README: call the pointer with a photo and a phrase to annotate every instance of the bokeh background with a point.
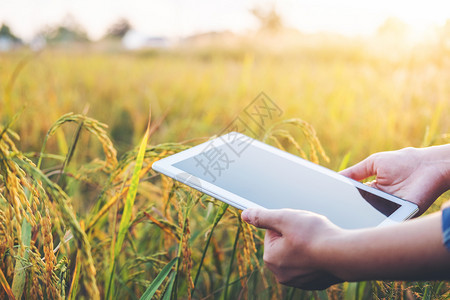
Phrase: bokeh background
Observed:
(368, 77)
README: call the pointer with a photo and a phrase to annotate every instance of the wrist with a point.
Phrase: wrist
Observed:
(438, 157)
(343, 266)
(411, 250)
(346, 255)
(332, 253)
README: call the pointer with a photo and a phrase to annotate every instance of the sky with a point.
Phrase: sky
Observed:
(178, 18)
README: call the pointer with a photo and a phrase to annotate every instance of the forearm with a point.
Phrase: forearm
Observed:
(409, 251)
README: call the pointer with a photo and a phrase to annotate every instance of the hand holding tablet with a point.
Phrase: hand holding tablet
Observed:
(306, 250)
(246, 173)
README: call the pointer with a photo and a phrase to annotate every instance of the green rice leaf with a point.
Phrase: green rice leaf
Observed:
(125, 222)
(322, 295)
(351, 290)
(344, 162)
(153, 287)
(131, 195)
(169, 289)
(19, 271)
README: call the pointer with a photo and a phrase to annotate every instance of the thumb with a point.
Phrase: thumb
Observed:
(361, 170)
(264, 218)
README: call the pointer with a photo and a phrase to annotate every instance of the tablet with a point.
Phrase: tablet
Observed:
(244, 173)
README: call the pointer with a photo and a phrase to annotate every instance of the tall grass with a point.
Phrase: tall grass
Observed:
(77, 220)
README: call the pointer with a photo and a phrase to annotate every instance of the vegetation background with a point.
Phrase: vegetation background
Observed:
(84, 216)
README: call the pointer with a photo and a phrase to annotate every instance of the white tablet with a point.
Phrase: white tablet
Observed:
(245, 173)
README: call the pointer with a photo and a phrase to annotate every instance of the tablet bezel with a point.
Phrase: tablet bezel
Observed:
(166, 166)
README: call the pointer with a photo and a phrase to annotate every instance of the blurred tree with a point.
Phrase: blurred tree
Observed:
(269, 20)
(68, 31)
(63, 34)
(118, 29)
(8, 40)
(5, 32)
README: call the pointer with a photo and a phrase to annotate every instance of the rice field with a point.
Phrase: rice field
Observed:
(82, 214)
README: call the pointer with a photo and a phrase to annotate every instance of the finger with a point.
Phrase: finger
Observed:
(361, 170)
(372, 183)
(264, 218)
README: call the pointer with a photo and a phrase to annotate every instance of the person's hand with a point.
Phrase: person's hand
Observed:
(295, 246)
(417, 175)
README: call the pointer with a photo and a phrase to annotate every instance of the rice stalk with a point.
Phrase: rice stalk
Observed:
(55, 193)
(10, 84)
(285, 134)
(187, 257)
(169, 200)
(309, 133)
(241, 262)
(220, 212)
(3, 231)
(21, 198)
(70, 151)
(126, 216)
(50, 258)
(6, 286)
(19, 269)
(15, 181)
(36, 269)
(165, 226)
(62, 267)
(230, 266)
(277, 143)
(36, 288)
(185, 199)
(92, 126)
(152, 153)
(9, 253)
(169, 289)
(73, 290)
(151, 290)
(7, 127)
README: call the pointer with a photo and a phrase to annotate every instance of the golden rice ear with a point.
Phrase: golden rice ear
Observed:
(96, 128)
(276, 131)
(50, 259)
(24, 196)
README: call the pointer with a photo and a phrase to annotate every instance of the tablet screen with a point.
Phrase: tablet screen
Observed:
(274, 182)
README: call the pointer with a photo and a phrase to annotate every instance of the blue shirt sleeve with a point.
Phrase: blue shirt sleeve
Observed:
(446, 227)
